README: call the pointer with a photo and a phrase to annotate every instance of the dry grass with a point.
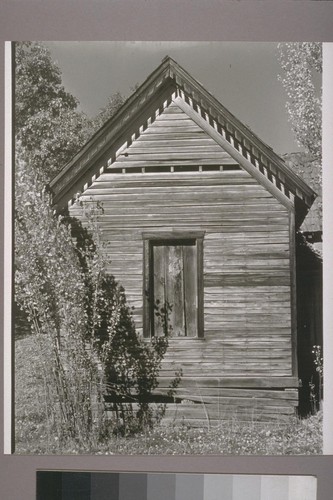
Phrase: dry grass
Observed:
(293, 437)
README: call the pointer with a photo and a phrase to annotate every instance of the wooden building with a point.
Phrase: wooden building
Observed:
(309, 283)
(198, 211)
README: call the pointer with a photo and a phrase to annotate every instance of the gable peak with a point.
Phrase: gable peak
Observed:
(169, 81)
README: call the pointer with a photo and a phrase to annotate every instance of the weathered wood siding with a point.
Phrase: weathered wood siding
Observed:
(172, 139)
(244, 359)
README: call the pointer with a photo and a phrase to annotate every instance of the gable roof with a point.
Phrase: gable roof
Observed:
(171, 83)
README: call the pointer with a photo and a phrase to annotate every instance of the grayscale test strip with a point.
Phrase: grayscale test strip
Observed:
(52, 485)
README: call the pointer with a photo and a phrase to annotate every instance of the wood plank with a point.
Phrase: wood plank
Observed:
(216, 365)
(172, 114)
(215, 209)
(246, 241)
(170, 155)
(175, 148)
(170, 224)
(218, 297)
(235, 154)
(171, 235)
(136, 234)
(213, 350)
(228, 205)
(234, 382)
(207, 177)
(196, 411)
(214, 218)
(172, 109)
(156, 135)
(173, 121)
(190, 290)
(277, 370)
(251, 401)
(201, 193)
(180, 193)
(293, 296)
(171, 129)
(160, 287)
(158, 161)
(222, 342)
(243, 263)
(174, 295)
(232, 416)
(251, 281)
(231, 394)
(212, 184)
(177, 141)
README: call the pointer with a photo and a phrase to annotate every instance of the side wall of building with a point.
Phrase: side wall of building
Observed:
(244, 360)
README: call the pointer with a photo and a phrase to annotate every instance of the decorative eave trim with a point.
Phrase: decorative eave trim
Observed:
(107, 132)
(219, 134)
(167, 82)
(240, 154)
(137, 133)
(240, 133)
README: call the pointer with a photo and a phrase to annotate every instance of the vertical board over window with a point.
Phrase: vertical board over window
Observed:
(172, 269)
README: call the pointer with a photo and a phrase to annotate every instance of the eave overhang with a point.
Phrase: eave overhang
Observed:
(169, 82)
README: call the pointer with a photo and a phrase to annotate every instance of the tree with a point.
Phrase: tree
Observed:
(113, 104)
(49, 130)
(50, 284)
(50, 288)
(301, 62)
(129, 365)
(82, 325)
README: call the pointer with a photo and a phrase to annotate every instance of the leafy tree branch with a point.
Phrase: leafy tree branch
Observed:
(301, 64)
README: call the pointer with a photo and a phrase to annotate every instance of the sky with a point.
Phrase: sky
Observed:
(243, 76)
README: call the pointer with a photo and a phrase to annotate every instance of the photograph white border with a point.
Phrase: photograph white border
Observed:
(8, 255)
(328, 246)
(327, 145)
(250, 20)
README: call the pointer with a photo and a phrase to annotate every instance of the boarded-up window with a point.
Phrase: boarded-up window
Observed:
(174, 277)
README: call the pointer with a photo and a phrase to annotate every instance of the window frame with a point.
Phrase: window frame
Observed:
(149, 240)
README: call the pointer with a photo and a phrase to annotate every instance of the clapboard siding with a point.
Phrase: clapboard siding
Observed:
(246, 261)
(246, 265)
(172, 139)
(173, 161)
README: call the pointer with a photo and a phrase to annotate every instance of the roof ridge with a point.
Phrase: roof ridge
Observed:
(164, 80)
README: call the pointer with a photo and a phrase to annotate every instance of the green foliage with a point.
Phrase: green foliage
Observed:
(50, 288)
(83, 329)
(318, 359)
(290, 436)
(49, 282)
(301, 62)
(48, 128)
(38, 83)
(83, 326)
(130, 365)
(113, 104)
(319, 367)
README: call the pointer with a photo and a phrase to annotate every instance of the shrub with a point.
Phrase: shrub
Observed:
(131, 366)
(50, 288)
